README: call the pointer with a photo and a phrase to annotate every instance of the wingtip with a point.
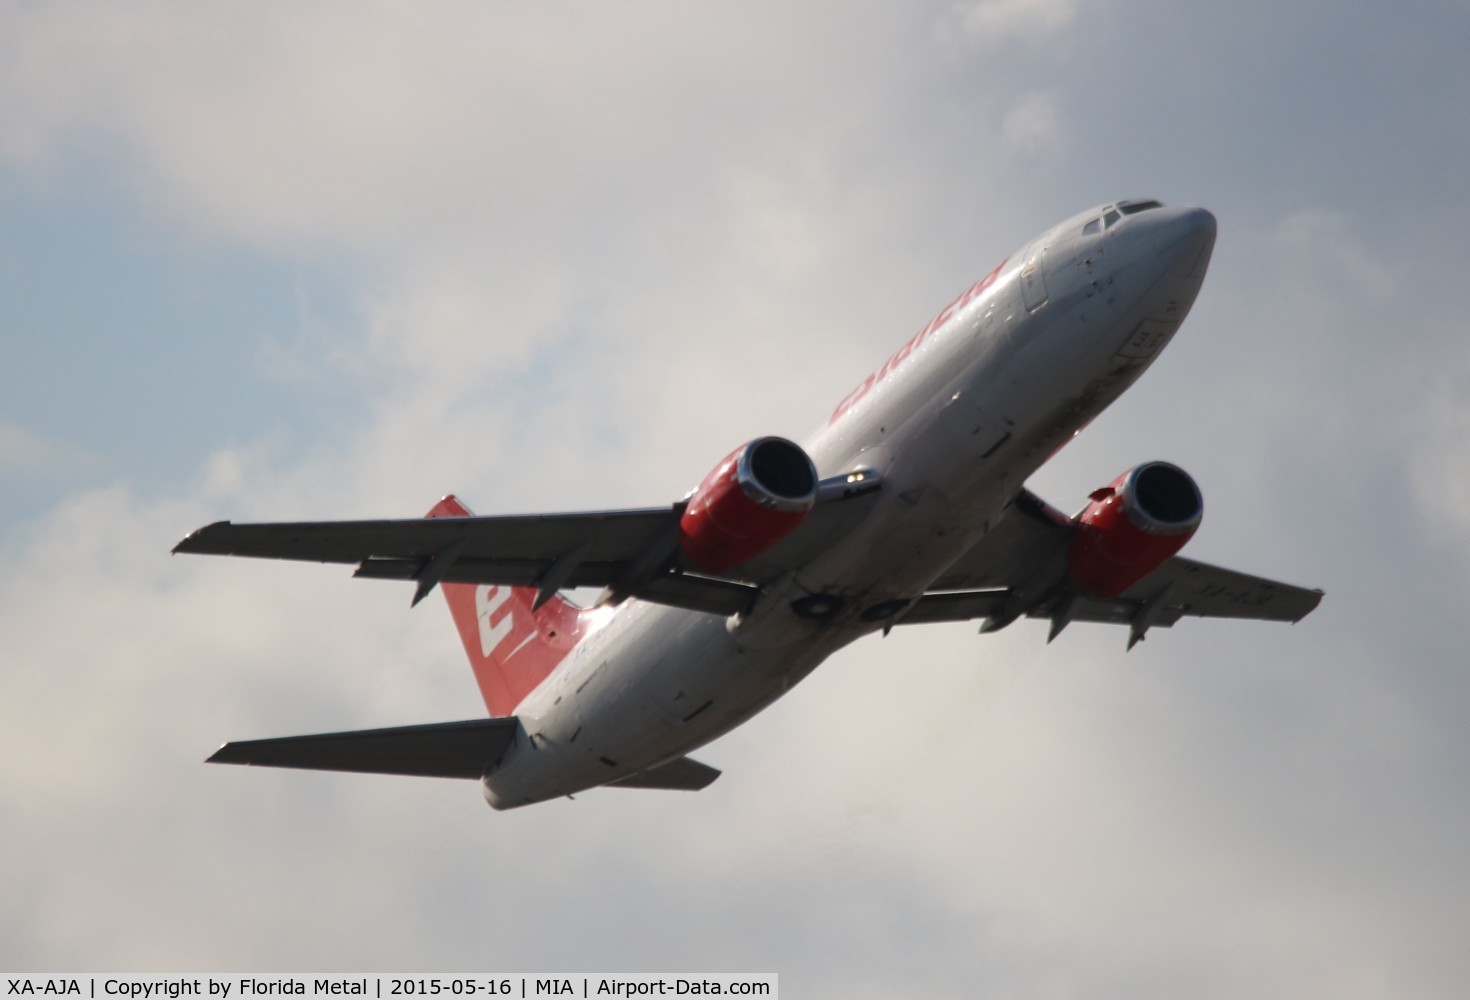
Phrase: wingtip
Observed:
(224, 755)
(192, 541)
(1319, 594)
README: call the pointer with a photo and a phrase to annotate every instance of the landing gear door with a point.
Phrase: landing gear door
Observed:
(1033, 278)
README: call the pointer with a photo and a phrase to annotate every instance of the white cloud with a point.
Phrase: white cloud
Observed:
(30, 456)
(1325, 247)
(309, 124)
(1439, 464)
(992, 23)
(1034, 125)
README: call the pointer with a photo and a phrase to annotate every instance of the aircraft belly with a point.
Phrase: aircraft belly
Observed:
(675, 681)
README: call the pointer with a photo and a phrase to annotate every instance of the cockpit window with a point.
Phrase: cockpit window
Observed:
(1133, 208)
(1110, 219)
(1091, 227)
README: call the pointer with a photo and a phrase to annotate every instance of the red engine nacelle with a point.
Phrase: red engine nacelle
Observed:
(1131, 527)
(753, 499)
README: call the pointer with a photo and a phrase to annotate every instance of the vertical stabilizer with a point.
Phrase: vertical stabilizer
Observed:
(511, 647)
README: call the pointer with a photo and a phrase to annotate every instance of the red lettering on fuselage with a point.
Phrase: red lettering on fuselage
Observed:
(912, 344)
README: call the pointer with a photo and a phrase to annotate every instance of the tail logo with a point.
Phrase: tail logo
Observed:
(486, 615)
(488, 601)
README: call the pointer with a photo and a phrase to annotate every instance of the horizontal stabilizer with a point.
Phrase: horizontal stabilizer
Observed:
(681, 774)
(439, 750)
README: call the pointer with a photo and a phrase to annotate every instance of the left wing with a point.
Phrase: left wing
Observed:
(1021, 566)
(631, 553)
(628, 551)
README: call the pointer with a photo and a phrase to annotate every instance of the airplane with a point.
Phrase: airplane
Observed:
(907, 505)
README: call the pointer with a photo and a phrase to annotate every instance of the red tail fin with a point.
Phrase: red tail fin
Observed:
(511, 648)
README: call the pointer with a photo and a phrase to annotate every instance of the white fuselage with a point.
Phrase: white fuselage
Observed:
(954, 423)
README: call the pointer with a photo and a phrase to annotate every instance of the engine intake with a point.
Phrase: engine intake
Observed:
(752, 499)
(1131, 527)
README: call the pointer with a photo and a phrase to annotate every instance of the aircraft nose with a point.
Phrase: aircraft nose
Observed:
(1185, 238)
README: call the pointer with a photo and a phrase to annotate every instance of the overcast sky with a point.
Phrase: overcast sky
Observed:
(286, 260)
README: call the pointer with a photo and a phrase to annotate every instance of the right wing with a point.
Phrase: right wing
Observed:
(1020, 568)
